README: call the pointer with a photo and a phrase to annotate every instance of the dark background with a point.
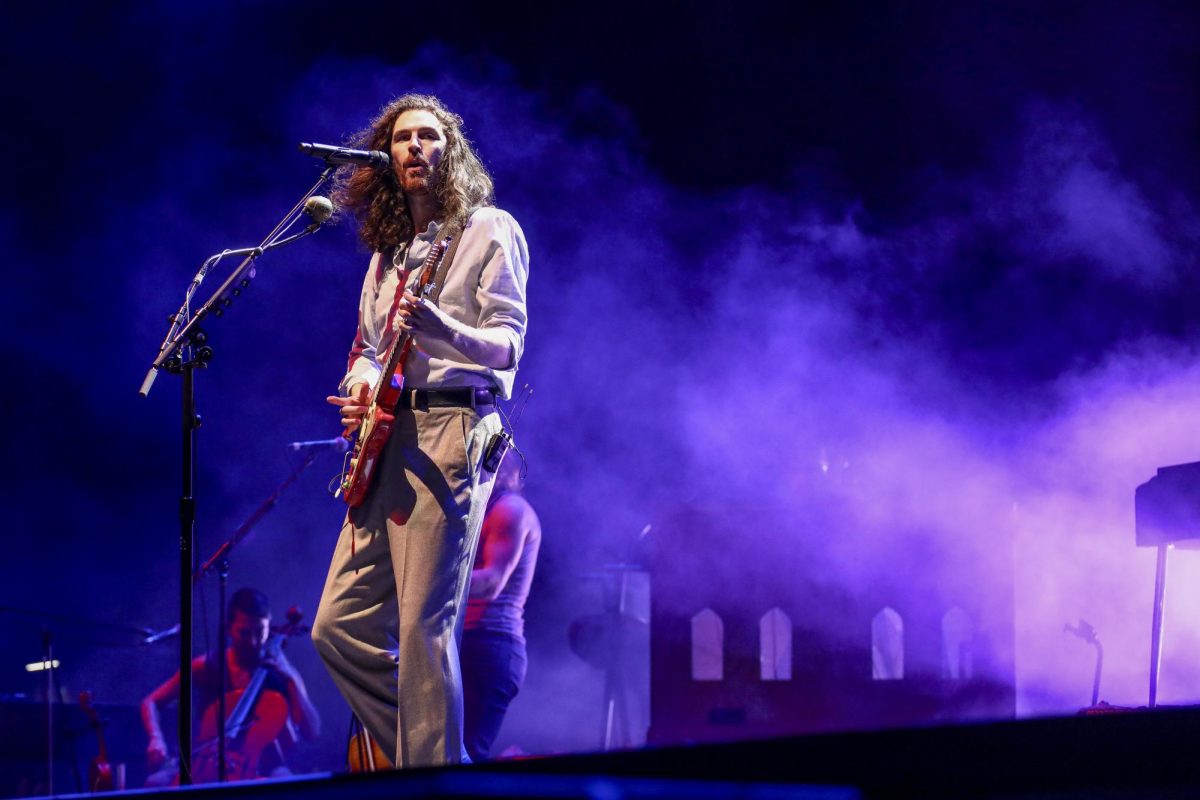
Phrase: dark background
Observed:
(946, 247)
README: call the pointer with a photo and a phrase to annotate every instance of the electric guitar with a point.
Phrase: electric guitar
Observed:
(364, 753)
(377, 423)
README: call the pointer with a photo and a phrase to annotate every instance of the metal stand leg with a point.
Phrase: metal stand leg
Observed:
(1156, 626)
(616, 725)
(48, 666)
(616, 732)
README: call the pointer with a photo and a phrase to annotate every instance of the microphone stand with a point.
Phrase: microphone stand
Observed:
(220, 558)
(183, 351)
(1085, 631)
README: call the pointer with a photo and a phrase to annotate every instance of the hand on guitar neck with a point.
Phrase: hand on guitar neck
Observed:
(418, 316)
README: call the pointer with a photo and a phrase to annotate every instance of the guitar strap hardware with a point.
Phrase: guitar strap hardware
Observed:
(439, 279)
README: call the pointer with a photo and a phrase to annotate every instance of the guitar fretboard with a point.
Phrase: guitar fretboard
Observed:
(399, 347)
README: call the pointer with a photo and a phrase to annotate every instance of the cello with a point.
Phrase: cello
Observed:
(258, 715)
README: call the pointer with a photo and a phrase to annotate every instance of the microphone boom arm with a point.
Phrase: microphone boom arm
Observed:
(176, 336)
(243, 530)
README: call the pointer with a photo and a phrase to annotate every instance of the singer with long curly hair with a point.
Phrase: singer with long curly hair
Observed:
(392, 605)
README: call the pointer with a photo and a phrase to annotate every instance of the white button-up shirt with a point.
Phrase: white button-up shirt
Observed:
(485, 288)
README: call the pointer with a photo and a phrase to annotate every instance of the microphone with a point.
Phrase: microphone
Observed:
(318, 208)
(341, 155)
(340, 444)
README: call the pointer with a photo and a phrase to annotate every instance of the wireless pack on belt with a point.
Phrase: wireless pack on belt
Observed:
(496, 448)
(502, 442)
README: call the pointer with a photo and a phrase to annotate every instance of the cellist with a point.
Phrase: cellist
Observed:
(249, 625)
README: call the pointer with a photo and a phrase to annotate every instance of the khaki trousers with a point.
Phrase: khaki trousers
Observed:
(390, 616)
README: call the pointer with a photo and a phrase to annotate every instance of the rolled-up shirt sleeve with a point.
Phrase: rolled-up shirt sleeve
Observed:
(502, 283)
(484, 288)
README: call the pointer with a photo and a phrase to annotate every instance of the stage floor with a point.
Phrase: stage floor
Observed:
(1137, 754)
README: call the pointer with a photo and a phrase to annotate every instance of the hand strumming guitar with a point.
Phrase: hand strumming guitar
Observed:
(354, 407)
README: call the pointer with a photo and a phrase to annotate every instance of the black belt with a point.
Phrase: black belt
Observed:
(467, 397)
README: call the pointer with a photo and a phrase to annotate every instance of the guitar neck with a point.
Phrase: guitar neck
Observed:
(402, 346)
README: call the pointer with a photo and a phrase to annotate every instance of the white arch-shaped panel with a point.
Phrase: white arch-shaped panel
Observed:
(708, 646)
(958, 636)
(887, 646)
(775, 646)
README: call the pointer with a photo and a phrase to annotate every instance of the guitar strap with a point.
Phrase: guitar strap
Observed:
(439, 279)
(454, 233)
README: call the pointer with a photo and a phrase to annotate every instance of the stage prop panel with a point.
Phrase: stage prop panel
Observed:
(766, 625)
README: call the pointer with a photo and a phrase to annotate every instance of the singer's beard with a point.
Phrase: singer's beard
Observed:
(428, 184)
(417, 185)
(423, 183)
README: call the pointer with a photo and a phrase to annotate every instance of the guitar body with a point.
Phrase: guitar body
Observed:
(374, 434)
(365, 755)
(243, 751)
